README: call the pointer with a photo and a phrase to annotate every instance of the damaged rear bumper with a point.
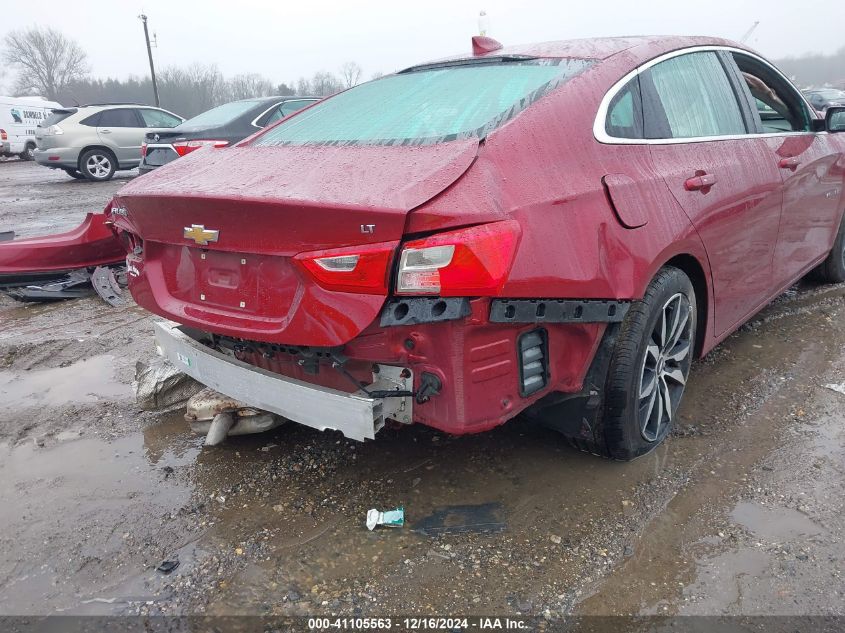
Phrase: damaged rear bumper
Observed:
(358, 417)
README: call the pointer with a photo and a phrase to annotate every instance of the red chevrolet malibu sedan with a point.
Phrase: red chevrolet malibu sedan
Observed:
(556, 229)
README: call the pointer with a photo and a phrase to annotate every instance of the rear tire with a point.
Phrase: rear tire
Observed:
(75, 173)
(27, 154)
(649, 367)
(98, 165)
(832, 269)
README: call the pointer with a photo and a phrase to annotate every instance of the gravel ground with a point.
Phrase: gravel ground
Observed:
(739, 512)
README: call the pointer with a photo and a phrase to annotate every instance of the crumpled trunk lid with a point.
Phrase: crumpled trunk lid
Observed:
(266, 205)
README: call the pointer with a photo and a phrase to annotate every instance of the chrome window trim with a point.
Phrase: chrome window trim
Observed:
(276, 105)
(254, 124)
(601, 135)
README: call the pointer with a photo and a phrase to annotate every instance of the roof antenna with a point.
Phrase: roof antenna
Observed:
(481, 45)
(483, 23)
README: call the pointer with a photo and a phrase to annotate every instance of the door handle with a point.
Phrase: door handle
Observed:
(700, 182)
(789, 163)
(105, 131)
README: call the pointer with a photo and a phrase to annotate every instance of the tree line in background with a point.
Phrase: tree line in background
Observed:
(816, 70)
(49, 64)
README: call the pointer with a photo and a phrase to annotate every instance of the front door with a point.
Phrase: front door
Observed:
(718, 174)
(808, 164)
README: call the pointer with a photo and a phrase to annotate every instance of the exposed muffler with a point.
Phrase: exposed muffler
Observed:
(217, 416)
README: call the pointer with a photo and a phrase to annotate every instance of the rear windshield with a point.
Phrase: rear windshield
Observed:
(426, 106)
(222, 114)
(55, 116)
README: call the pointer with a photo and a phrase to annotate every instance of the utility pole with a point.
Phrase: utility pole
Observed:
(143, 19)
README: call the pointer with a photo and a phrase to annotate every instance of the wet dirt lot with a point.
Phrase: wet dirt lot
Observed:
(740, 512)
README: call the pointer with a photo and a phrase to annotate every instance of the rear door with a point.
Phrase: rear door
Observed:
(808, 164)
(122, 130)
(718, 173)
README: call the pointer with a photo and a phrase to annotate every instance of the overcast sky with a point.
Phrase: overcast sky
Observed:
(286, 40)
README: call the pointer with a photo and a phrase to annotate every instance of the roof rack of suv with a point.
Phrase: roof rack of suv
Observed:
(110, 103)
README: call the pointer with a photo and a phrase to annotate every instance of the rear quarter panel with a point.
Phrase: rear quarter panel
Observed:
(545, 169)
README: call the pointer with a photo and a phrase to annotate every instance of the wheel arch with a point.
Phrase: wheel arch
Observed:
(99, 147)
(693, 269)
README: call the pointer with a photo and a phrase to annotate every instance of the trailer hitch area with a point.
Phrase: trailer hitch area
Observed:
(430, 385)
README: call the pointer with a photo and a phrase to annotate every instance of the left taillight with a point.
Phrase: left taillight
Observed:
(143, 150)
(359, 269)
(467, 262)
(186, 147)
(3, 135)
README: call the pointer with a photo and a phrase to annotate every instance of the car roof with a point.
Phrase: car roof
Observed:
(642, 48)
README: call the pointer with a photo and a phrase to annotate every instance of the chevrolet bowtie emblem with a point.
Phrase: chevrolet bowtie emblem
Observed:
(200, 234)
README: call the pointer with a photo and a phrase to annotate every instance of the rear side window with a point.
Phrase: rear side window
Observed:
(118, 118)
(91, 121)
(284, 109)
(690, 96)
(625, 114)
(427, 105)
(56, 116)
(157, 118)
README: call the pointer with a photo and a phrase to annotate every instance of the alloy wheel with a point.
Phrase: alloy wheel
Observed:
(665, 367)
(98, 165)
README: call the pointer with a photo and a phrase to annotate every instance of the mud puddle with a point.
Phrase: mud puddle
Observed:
(84, 517)
(773, 523)
(742, 401)
(88, 380)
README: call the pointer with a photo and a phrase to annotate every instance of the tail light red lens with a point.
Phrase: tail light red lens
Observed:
(143, 150)
(3, 135)
(186, 147)
(361, 269)
(466, 262)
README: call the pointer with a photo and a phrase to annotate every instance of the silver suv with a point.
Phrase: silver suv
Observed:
(94, 141)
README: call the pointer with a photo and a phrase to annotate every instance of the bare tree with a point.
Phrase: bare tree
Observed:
(350, 74)
(248, 86)
(377, 75)
(816, 70)
(303, 87)
(192, 90)
(46, 60)
(325, 83)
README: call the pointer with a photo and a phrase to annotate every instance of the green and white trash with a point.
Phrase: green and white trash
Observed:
(391, 518)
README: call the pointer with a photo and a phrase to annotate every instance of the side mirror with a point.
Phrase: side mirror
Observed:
(834, 119)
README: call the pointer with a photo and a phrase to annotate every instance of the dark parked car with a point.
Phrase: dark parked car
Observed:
(821, 100)
(221, 126)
